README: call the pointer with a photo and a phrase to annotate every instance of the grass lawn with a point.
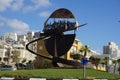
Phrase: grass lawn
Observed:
(59, 73)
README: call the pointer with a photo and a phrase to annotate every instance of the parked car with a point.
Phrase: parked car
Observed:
(20, 66)
(8, 67)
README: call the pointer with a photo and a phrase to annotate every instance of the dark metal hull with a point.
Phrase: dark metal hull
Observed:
(59, 45)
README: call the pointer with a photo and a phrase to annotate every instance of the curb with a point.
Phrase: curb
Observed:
(6, 78)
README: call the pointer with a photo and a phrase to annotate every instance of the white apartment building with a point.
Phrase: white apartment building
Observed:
(22, 38)
(10, 36)
(6, 52)
(111, 49)
(2, 53)
(24, 54)
(92, 53)
(30, 35)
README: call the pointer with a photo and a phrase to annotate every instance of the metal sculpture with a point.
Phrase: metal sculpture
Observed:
(57, 41)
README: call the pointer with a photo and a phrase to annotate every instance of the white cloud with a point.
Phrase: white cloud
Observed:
(17, 24)
(20, 4)
(41, 3)
(36, 5)
(4, 4)
(28, 8)
(17, 5)
(11, 4)
(14, 24)
(44, 14)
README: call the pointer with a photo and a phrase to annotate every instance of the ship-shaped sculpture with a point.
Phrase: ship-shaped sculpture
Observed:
(58, 40)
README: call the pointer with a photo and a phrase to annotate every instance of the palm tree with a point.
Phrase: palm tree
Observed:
(91, 59)
(106, 59)
(77, 56)
(85, 49)
(95, 61)
(98, 60)
(119, 65)
(115, 63)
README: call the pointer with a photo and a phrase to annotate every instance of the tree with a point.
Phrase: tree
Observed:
(91, 58)
(119, 65)
(24, 60)
(95, 61)
(85, 49)
(77, 56)
(15, 56)
(102, 62)
(106, 59)
(115, 64)
(98, 60)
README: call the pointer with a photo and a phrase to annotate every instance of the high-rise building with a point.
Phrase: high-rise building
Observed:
(112, 50)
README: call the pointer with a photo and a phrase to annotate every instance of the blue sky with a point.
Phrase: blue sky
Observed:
(102, 17)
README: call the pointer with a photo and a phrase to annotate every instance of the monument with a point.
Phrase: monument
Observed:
(59, 34)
